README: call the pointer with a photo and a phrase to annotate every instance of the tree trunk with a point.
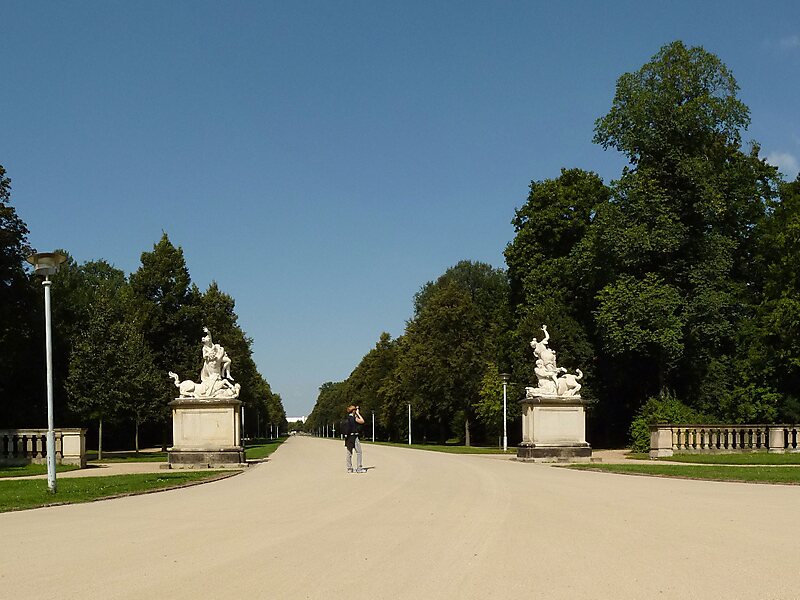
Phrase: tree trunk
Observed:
(136, 436)
(466, 432)
(100, 440)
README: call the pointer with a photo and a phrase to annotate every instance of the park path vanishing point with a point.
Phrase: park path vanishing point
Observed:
(421, 525)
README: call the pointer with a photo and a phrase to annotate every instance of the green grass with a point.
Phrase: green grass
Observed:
(745, 458)
(33, 493)
(754, 474)
(261, 448)
(127, 456)
(450, 448)
(24, 470)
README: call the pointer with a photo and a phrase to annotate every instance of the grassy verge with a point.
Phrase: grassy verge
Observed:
(117, 457)
(24, 470)
(450, 448)
(747, 458)
(261, 448)
(32, 493)
(753, 474)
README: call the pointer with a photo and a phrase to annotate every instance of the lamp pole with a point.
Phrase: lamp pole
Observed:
(409, 423)
(46, 263)
(506, 377)
(373, 426)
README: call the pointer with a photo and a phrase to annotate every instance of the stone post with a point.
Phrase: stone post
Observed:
(777, 440)
(660, 441)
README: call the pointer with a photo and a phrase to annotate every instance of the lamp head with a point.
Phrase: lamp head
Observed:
(46, 263)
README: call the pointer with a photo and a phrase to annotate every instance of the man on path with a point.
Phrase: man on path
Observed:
(351, 441)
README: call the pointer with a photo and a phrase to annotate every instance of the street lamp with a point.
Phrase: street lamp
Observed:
(409, 423)
(46, 264)
(373, 426)
(506, 377)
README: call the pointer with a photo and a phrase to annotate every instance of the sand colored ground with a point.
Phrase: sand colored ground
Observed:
(417, 525)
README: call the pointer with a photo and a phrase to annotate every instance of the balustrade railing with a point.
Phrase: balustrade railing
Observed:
(25, 446)
(667, 439)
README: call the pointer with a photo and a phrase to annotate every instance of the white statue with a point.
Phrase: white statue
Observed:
(215, 376)
(550, 381)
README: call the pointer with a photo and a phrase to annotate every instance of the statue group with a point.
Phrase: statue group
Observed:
(551, 379)
(215, 376)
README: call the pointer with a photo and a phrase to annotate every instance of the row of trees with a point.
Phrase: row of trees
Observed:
(115, 338)
(674, 288)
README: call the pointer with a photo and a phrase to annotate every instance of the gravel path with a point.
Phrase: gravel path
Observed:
(421, 525)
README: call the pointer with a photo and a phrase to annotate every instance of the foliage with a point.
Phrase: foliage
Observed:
(168, 309)
(663, 409)
(20, 332)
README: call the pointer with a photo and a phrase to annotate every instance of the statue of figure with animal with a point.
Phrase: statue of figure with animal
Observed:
(551, 379)
(215, 376)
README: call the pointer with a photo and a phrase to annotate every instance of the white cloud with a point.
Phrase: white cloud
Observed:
(790, 42)
(787, 163)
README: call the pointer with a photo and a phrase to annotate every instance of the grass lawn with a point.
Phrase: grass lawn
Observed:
(127, 456)
(754, 474)
(24, 470)
(451, 448)
(261, 448)
(32, 493)
(747, 458)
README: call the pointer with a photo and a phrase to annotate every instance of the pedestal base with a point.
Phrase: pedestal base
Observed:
(198, 459)
(528, 453)
(554, 430)
(206, 433)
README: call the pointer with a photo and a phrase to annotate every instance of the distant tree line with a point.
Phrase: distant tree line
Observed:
(675, 288)
(115, 337)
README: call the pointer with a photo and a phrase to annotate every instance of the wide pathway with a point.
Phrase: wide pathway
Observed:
(417, 525)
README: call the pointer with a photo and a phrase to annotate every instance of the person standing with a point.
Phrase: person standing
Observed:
(351, 441)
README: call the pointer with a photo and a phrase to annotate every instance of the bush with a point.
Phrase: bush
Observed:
(664, 409)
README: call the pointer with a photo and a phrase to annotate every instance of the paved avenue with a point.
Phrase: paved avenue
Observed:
(417, 525)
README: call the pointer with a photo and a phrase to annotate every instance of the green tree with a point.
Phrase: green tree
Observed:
(110, 377)
(680, 221)
(442, 361)
(168, 309)
(21, 321)
(773, 346)
(367, 384)
(553, 279)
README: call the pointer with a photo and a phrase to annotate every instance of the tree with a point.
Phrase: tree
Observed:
(680, 222)
(552, 277)
(367, 384)
(20, 397)
(442, 362)
(168, 309)
(774, 344)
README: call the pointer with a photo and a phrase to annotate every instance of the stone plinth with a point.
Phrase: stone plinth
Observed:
(206, 432)
(553, 429)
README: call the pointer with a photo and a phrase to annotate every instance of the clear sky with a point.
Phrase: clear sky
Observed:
(323, 160)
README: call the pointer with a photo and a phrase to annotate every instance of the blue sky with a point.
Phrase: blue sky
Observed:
(323, 160)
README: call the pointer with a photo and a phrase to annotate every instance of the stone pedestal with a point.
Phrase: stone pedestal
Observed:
(553, 429)
(206, 432)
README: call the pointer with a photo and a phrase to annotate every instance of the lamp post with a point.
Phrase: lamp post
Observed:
(409, 423)
(47, 263)
(506, 377)
(373, 426)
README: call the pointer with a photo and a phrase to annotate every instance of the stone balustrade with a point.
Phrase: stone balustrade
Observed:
(667, 439)
(25, 446)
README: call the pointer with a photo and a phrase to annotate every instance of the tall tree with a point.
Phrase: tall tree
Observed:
(676, 238)
(551, 279)
(21, 401)
(168, 308)
(110, 376)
